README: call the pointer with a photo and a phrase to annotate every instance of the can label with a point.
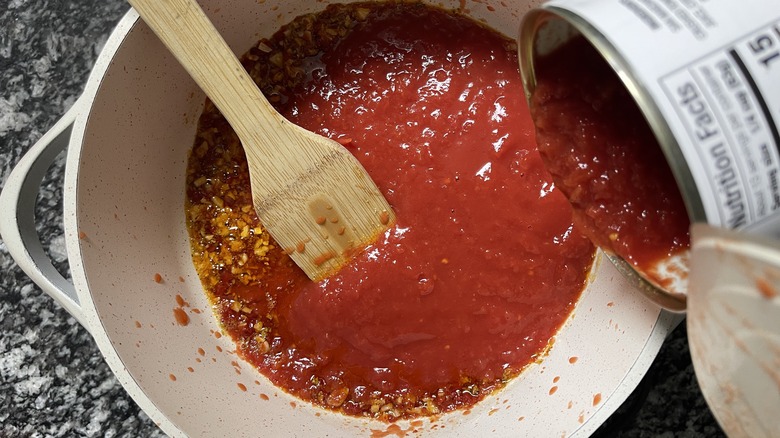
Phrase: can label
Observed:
(712, 68)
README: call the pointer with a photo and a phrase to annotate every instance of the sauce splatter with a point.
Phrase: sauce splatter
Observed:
(596, 399)
(158, 278)
(765, 289)
(181, 316)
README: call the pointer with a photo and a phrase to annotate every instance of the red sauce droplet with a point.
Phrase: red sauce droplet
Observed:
(197, 359)
(172, 377)
(320, 220)
(300, 247)
(610, 304)
(596, 399)
(158, 278)
(553, 390)
(573, 359)
(191, 369)
(82, 235)
(180, 301)
(467, 411)
(263, 396)
(242, 387)
(137, 324)
(765, 289)
(556, 379)
(384, 217)
(521, 419)
(293, 405)
(181, 279)
(181, 316)
(201, 352)
(196, 311)
(581, 418)
(324, 257)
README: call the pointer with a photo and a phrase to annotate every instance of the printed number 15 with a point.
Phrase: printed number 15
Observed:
(765, 47)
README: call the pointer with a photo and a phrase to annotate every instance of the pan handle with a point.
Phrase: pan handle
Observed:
(17, 223)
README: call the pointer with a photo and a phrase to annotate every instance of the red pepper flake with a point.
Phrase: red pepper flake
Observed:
(765, 289)
(320, 220)
(158, 278)
(596, 399)
(242, 387)
(172, 377)
(384, 217)
(324, 257)
(181, 316)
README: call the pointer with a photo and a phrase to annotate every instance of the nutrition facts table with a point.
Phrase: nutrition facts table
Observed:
(728, 107)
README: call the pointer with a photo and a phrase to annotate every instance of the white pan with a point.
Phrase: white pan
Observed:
(128, 138)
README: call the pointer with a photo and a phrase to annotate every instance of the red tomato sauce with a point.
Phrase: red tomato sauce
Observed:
(483, 265)
(605, 158)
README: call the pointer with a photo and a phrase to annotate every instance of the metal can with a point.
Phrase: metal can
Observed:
(706, 76)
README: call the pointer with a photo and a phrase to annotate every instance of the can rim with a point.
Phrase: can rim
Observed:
(569, 25)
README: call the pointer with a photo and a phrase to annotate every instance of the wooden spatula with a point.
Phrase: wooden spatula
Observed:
(310, 193)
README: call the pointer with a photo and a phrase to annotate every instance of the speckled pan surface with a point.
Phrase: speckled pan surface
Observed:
(124, 194)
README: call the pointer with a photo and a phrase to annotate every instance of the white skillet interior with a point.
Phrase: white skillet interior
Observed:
(125, 197)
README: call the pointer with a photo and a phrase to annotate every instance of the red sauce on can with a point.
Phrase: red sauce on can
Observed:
(604, 157)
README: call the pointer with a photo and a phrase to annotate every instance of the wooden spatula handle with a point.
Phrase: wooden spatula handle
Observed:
(191, 37)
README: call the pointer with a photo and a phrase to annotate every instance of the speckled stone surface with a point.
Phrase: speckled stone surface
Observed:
(53, 381)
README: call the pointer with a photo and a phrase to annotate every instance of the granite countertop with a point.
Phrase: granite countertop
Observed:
(53, 380)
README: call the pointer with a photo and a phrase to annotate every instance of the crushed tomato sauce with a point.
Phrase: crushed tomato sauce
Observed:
(604, 157)
(483, 265)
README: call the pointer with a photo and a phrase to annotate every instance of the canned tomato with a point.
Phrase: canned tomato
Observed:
(705, 77)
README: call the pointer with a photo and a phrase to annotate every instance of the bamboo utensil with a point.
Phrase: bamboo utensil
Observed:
(310, 193)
